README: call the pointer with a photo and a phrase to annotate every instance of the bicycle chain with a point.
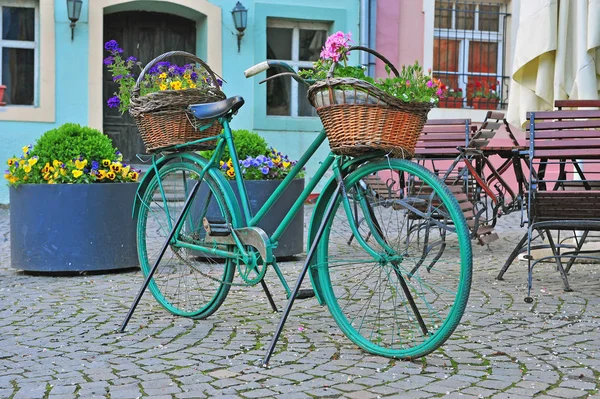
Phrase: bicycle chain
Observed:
(211, 277)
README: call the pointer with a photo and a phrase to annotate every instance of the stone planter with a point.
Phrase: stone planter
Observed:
(485, 103)
(291, 241)
(72, 227)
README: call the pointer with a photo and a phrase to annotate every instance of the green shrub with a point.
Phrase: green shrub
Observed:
(70, 141)
(247, 144)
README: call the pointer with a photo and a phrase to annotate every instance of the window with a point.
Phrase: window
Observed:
(299, 45)
(469, 47)
(18, 51)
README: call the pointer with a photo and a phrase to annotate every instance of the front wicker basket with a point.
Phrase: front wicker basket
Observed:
(361, 129)
(359, 118)
(163, 118)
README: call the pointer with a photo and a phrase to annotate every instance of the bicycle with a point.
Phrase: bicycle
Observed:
(374, 285)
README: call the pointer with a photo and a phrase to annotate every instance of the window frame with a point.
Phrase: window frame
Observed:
(22, 44)
(295, 26)
(464, 38)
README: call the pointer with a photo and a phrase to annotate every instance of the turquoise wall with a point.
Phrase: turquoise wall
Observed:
(291, 135)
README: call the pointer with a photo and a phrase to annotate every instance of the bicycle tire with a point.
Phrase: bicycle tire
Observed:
(187, 283)
(430, 251)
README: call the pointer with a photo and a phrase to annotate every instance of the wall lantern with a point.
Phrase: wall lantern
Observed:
(74, 11)
(240, 19)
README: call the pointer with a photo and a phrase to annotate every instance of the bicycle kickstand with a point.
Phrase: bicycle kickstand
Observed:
(136, 301)
(296, 289)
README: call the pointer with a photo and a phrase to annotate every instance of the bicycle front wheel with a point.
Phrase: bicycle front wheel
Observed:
(395, 260)
(187, 282)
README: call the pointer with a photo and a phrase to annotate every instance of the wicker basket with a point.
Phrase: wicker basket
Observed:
(163, 118)
(360, 118)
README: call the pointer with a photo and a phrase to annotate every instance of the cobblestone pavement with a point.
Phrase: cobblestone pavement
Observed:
(58, 339)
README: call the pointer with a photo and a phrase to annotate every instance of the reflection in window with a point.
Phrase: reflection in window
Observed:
(298, 44)
(18, 52)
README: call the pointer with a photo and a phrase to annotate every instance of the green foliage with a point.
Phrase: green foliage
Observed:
(70, 141)
(247, 144)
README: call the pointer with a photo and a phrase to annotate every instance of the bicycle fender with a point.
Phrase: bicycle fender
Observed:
(313, 227)
(236, 215)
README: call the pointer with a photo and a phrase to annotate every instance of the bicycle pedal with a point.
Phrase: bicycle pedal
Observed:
(305, 294)
(216, 227)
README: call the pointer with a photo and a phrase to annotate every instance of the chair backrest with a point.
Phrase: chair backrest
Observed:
(440, 137)
(488, 129)
(560, 104)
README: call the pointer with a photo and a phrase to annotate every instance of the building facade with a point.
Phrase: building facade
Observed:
(52, 78)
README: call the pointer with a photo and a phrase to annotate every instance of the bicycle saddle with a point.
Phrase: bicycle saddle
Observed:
(217, 109)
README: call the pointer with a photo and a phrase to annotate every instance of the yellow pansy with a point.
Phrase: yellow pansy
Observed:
(56, 163)
(116, 167)
(46, 176)
(192, 85)
(125, 170)
(77, 173)
(56, 173)
(162, 86)
(111, 175)
(11, 161)
(80, 164)
(230, 163)
(101, 174)
(51, 182)
(277, 160)
(221, 163)
(133, 175)
(286, 164)
(32, 161)
(175, 85)
(7, 176)
(106, 163)
(26, 149)
(27, 168)
(13, 179)
(163, 75)
(186, 76)
(230, 172)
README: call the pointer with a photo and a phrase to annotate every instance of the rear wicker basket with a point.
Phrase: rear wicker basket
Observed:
(163, 118)
(359, 118)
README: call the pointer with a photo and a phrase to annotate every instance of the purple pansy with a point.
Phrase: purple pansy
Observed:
(108, 60)
(265, 170)
(114, 102)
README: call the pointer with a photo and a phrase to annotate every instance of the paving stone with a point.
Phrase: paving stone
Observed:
(61, 331)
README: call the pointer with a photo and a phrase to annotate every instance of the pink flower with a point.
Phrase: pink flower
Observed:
(430, 83)
(408, 83)
(439, 92)
(336, 45)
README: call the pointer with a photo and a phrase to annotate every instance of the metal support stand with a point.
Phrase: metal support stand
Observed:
(296, 289)
(136, 301)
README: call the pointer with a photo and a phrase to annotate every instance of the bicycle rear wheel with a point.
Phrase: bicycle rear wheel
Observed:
(398, 285)
(187, 282)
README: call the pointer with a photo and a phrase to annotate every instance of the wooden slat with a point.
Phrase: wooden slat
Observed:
(447, 122)
(568, 124)
(557, 134)
(442, 137)
(562, 114)
(576, 103)
(567, 143)
(579, 153)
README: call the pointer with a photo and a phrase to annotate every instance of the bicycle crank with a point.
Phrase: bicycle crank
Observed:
(220, 232)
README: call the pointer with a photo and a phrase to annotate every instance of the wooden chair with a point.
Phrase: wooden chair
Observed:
(569, 141)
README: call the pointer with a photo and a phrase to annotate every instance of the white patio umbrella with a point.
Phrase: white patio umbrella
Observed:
(557, 55)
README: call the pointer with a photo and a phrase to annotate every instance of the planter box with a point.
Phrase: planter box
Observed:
(291, 241)
(485, 103)
(72, 227)
(451, 103)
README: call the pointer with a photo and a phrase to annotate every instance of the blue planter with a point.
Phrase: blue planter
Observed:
(72, 227)
(291, 241)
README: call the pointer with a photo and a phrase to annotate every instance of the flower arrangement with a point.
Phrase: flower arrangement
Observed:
(449, 92)
(261, 162)
(69, 154)
(413, 84)
(162, 76)
(273, 166)
(483, 90)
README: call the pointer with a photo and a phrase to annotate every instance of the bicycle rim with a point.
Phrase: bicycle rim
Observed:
(186, 282)
(401, 291)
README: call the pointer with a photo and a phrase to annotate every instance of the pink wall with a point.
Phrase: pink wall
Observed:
(400, 27)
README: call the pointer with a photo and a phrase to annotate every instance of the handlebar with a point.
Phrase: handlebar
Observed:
(263, 66)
